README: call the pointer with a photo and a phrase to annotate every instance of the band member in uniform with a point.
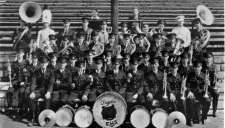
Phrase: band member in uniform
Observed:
(184, 67)
(113, 46)
(157, 45)
(160, 28)
(146, 30)
(128, 47)
(22, 37)
(90, 64)
(67, 31)
(124, 30)
(79, 84)
(62, 85)
(164, 63)
(42, 80)
(103, 34)
(72, 65)
(196, 84)
(43, 34)
(98, 85)
(80, 46)
(19, 79)
(95, 45)
(53, 62)
(142, 43)
(107, 64)
(153, 82)
(126, 66)
(213, 87)
(115, 78)
(50, 46)
(199, 35)
(136, 14)
(182, 32)
(134, 87)
(145, 66)
(86, 30)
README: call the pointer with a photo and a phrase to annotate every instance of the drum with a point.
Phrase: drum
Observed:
(176, 118)
(139, 117)
(159, 118)
(47, 118)
(83, 117)
(64, 116)
(109, 110)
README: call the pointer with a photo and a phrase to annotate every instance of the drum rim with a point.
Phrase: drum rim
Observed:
(67, 107)
(159, 110)
(53, 119)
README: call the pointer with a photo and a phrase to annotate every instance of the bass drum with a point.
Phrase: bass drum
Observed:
(176, 118)
(64, 116)
(140, 117)
(83, 117)
(109, 110)
(47, 118)
(159, 118)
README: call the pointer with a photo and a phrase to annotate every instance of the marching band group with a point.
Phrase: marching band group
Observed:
(151, 67)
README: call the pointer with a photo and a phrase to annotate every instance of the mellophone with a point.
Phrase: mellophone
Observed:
(110, 111)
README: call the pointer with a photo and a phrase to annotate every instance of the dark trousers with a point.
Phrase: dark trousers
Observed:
(215, 97)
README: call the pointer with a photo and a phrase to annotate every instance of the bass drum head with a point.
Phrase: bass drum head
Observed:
(64, 116)
(47, 118)
(176, 118)
(83, 117)
(109, 110)
(140, 117)
(159, 118)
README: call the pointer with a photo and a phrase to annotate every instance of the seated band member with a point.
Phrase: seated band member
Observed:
(124, 30)
(153, 82)
(53, 62)
(67, 31)
(103, 34)
(134, 85)
(95, 45)
(115, 78)
(146, 30)
(159, 29)
(79, 84)
(157, 45)
(19, 79)
(197, 104)
(80, 46)
(43, 34)
(164, 61)
(182, 32)
(86, 30)
(41, 83)
(142, 43)
(98, 85)
(145, 66)
(128, 47)
(214, 86)
(126, 66)
(50, 46)
(90, 64)
(112, 46)
(62, 85)
(22, 36)
(184, 67)
(199, 35)
(107, 58)
(72, 65)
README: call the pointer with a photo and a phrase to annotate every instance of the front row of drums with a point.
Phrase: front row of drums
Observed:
(110, 111)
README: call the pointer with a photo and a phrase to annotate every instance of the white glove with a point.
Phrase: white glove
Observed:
(73, 85)
(48, 95)
(58, 82)
(150, 96)
(32, 95)
(190, 95)
(22, 83)
(135, 96)
(84, 98)
(172, 97)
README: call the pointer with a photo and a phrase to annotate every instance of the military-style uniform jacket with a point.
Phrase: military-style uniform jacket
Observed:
(145, 67)
(136, 82)
(212, 74)
(174, 84)
(80, 81)
(184, 71)
(115, 81)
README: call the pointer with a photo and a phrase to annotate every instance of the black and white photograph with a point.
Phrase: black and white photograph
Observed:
(112, 63)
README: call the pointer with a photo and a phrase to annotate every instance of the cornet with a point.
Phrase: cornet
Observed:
(183, 88)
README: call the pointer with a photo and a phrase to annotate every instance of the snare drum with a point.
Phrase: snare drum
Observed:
(64, 116)
(159, 118)
(83, 117)
(139, 117)
(109, 110)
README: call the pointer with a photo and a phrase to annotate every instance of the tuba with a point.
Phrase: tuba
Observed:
(205, 15)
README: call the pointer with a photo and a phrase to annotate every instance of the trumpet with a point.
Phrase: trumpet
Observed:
(207, 83)
(190, 52)
(165, 85)
(183, 88)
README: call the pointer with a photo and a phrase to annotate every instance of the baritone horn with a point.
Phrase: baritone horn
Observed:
(205, 15)
(30, 12)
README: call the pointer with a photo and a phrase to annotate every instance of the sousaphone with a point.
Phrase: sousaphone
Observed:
(30, 12)
(205, 15)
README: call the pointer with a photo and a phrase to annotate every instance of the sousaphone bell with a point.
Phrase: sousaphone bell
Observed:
(30, 12)
(205, 15)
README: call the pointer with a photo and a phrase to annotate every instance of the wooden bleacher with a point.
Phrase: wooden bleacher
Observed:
(151, 11)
